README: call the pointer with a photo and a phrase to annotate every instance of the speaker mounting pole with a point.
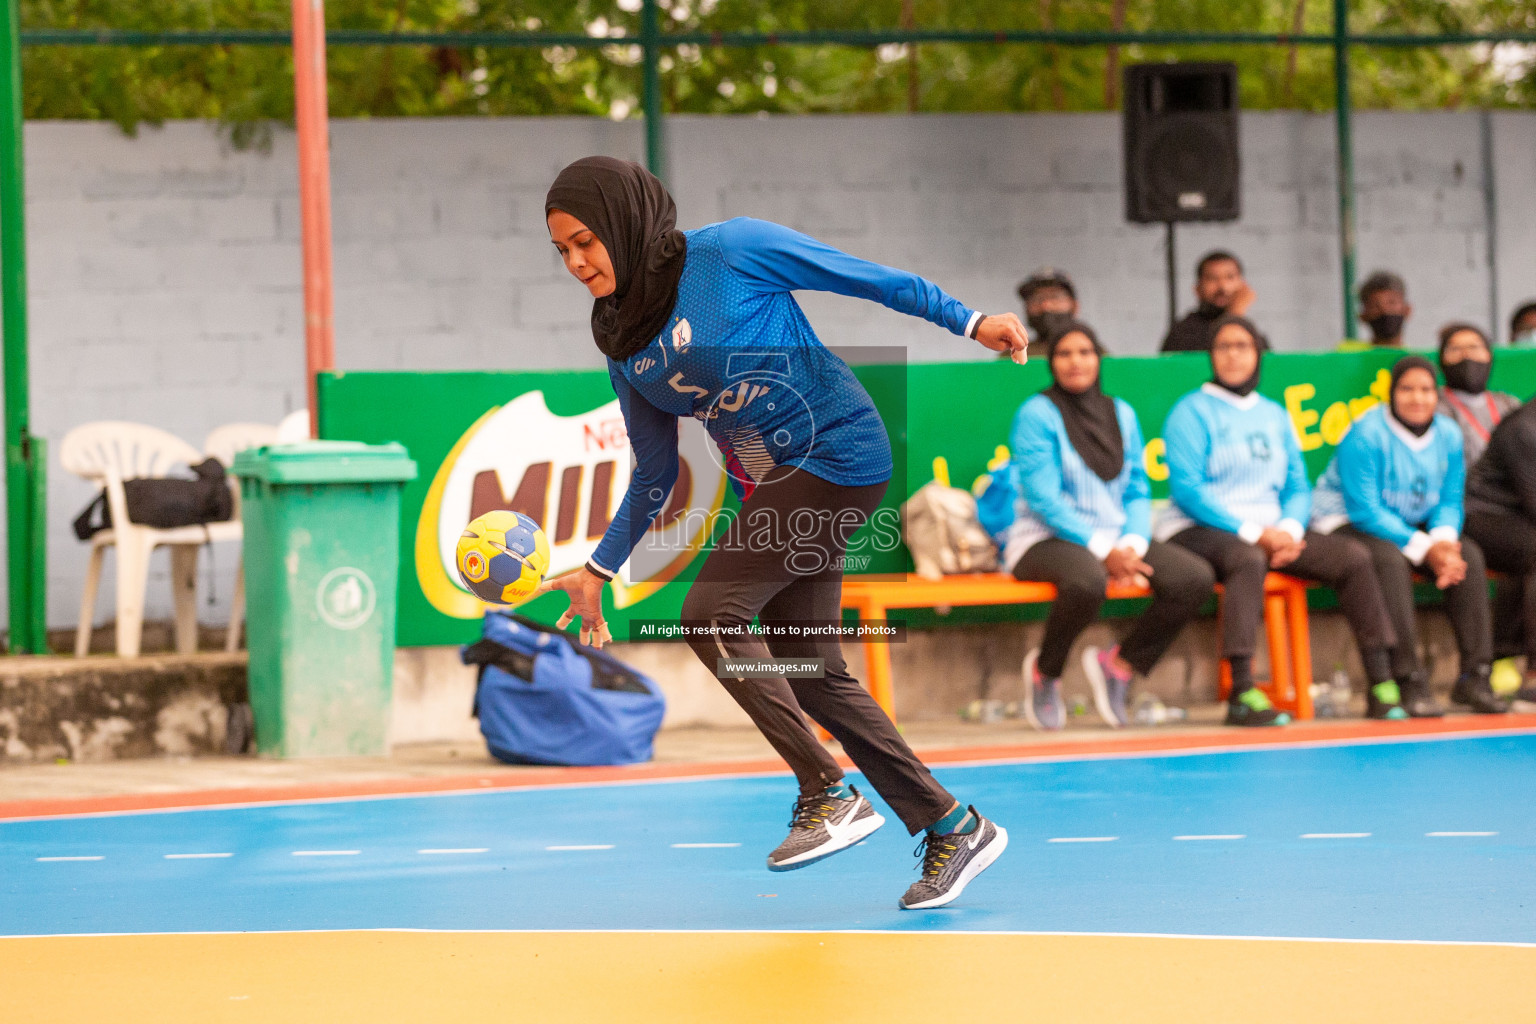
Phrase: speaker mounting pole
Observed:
(1342, 114)
(1173, 295)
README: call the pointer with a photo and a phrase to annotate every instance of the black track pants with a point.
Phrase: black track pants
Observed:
(782, 561)
(1181, 581)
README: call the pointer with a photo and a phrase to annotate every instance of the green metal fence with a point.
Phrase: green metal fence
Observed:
(24, 466)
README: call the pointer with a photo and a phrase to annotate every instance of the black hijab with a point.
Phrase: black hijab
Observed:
(1401, 367)
(632, 214)
(1260, 343)
(1091, 422)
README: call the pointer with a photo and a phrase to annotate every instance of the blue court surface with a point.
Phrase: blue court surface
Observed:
(1418, 839)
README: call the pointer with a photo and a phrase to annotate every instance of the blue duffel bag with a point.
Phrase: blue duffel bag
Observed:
(543, 699)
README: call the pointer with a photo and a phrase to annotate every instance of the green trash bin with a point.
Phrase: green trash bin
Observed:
(322, 555)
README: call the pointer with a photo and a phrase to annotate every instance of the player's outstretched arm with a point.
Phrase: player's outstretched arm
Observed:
(585, 589)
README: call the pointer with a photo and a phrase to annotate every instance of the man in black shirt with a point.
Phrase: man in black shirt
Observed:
(1050, 303)
(1221, 289)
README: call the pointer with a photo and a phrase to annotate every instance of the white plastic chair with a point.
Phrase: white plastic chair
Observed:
(107, 453)
(224, 443)
(294, 427)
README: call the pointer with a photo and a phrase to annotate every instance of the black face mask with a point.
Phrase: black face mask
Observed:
(1209, 310)
(1468, 375)
(1048, 325)
(1386, 327)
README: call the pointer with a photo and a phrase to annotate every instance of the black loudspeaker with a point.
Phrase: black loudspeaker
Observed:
(1180, 125)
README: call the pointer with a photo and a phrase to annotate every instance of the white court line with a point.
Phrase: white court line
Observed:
(467, 849)
(1083, 839)
(704, 846)
(1191, 838)
(1445, 834)
(326, 853)
(196, 856)
(1335, 835)
(592, 846)
(49, 860)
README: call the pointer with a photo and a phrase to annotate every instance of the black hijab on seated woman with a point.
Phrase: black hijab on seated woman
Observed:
(1089, 416)
(1260, 342)
(1401, 367)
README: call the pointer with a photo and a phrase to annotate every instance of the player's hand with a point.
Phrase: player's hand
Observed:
(586, 592)
(1242, 299)
(1126, 567)
(1445, 561)
(1005, 333)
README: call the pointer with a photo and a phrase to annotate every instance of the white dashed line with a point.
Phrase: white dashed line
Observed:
(467, 849)
(196, 856)
(1083, 839)
(326, 853)
(1335, 835)
(593, 846)
(1441, 835)
(704, 846)
(1195, 838)
(53, 860)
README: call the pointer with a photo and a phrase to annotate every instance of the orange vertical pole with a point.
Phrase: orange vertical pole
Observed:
(311, 118)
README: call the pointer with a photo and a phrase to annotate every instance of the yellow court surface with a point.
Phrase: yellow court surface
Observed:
(750, 977)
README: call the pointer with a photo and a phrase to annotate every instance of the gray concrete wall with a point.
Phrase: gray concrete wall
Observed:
(164, 269)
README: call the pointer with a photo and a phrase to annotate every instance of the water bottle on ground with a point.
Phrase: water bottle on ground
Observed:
(1151, 711)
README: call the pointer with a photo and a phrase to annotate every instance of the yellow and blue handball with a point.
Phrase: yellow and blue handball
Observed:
(502, 557)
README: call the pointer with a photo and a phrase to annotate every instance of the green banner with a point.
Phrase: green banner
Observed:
(552, 444)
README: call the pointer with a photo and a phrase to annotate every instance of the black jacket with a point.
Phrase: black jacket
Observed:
(1191, 334)
(1504, 479)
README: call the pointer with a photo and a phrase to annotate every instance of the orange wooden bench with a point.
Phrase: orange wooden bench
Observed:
(1285, 624)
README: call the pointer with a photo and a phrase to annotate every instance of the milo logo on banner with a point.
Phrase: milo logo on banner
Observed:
(567, 473)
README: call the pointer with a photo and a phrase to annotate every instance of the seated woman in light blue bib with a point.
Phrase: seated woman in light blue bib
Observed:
(1081, 520)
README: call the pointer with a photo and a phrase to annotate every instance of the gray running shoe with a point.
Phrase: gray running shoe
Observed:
(951, 862)
(1109, 688)
(1043, 706)
(821, 826)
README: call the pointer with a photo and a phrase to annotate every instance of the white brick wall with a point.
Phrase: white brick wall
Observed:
(164, 269)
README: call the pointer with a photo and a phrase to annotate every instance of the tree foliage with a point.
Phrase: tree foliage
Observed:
(247, 86)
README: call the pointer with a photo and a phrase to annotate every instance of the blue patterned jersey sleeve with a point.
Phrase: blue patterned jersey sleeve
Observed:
(653, 447)
(1448, 513)
(1296, 496)
(775, 258)
(1037, 473)
(1362, 475)
(1189, 447)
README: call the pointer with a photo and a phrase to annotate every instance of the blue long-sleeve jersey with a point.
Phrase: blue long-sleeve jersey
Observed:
(1386, 482)
(1059, 496)
(1233, 464)
(739, 355)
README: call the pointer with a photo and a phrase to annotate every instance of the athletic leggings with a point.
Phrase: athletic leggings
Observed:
(781, 560)
(1508, 541)
(1341, 562)
(1180, 584)
(1466, 603)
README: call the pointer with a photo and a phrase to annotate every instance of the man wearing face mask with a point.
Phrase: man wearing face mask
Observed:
(1466, 359)
(1050, 304)
(1522, 326)
(1222, 291)
(1384, 309)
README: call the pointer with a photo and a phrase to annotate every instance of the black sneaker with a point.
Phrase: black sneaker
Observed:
(1418, 700)
(821, 826)
(1473, 690)
(1384, 702)
(950, 862)
(1252, 707)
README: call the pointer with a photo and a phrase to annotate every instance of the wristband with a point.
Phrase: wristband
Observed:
(601, 573)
